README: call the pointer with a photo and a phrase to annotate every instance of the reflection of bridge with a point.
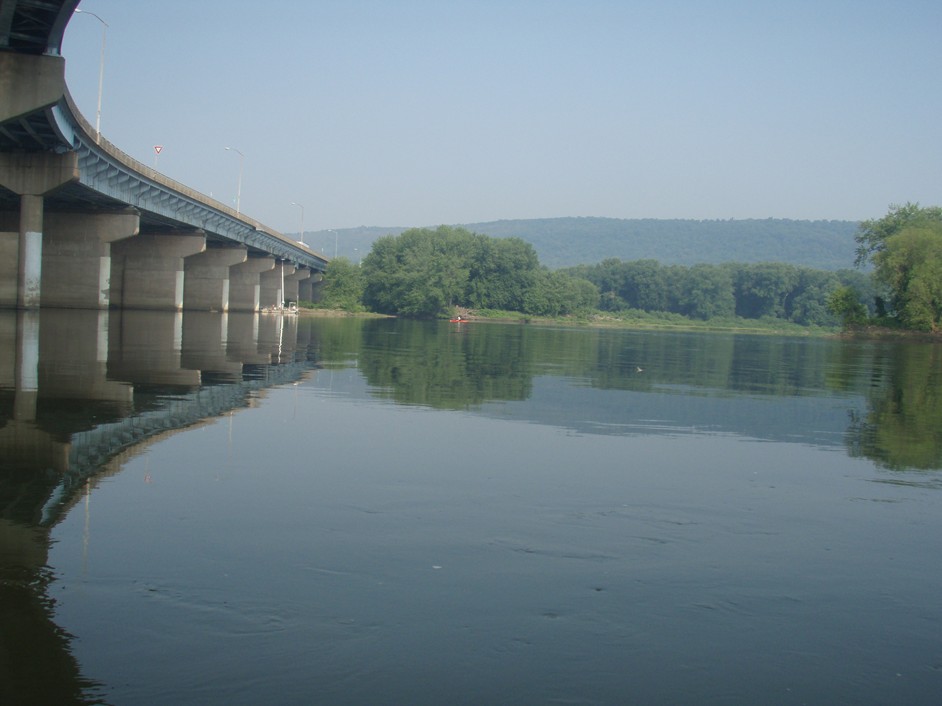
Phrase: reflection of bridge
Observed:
(82, 225)
(124, 377)
(80, 390)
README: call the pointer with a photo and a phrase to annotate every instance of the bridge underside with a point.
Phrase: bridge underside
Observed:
(83, 225)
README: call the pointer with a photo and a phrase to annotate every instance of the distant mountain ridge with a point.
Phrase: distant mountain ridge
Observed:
(564, 242)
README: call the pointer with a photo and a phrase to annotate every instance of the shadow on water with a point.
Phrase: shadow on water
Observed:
(81, 392)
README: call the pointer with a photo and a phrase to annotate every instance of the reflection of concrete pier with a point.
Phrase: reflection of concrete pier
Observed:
(135, 374)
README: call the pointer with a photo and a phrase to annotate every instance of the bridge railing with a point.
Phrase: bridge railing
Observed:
(88, 133)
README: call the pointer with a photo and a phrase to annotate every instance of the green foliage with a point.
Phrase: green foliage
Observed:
(420, 273)
(704, 292)
(764, 289)
(910, 265)
(558, 294)
(844, 302)
(872, 235)
(343, 286)
(499, 273)
(754, 291)
(425, 273)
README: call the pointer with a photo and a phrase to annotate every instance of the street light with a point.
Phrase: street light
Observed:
(101, 69)
(331, 230)
(239, 191)
(300, 232)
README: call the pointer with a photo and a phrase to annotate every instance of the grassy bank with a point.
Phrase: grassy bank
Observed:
(661, 322)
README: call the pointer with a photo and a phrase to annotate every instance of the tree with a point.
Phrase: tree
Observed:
(644, 285)
(809, 303)
(763, 289)
(844, 302)
(872, 235)
(425, 273)
(343, 286)
(420, 273)
(499, 272)
(558, 294)
(706, 291)
(910, 265)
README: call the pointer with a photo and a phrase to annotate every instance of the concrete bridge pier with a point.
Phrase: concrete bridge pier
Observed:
(293, 284)
(147, 271)
(272, 293)
(306, 288)
(244, 283)
(30, 175)
(76, 259)
(206, 285)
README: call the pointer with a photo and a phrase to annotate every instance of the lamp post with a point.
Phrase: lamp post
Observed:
(331, 230)
(101, 70)
(300, 232)
(239, 190)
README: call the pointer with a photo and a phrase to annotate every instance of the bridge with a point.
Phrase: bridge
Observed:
(85, 226)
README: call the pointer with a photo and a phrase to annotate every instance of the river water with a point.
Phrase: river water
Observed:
(209, 509)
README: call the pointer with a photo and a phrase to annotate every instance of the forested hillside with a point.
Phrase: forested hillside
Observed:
(564, 242)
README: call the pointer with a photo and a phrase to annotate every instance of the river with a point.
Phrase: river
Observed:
(211, 509)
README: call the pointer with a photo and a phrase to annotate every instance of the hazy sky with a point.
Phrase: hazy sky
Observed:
(420, 112)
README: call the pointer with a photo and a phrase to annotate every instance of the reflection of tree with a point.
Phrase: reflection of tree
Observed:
(903, 428)
(416, 364)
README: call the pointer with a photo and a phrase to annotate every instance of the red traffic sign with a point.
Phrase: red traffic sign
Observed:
(157, 148)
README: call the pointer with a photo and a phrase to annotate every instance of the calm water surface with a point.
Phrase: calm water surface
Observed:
(245, 510)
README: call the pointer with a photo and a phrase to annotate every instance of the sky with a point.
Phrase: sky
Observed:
(426, 112)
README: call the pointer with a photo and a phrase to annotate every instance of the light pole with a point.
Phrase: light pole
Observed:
(239, 190)
(101, 70)
(300, 232)
(331, 230)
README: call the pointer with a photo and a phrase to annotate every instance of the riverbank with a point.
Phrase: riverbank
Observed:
(883, 332)
(653, 322)
(635, 321)
(667, 322)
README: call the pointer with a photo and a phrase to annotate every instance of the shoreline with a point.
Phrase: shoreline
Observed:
(866, 333)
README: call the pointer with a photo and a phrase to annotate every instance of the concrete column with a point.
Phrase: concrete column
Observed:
(271, 295)
(293, 284)
(206, 287)
(244, 283)
(31, 175)
(76, 259)
(29, 257)
(306, 289)
(147, 270)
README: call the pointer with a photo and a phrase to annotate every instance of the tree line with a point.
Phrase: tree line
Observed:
(429, 273)
(749, 291)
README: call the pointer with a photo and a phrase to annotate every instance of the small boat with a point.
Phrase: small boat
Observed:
(458, 320)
